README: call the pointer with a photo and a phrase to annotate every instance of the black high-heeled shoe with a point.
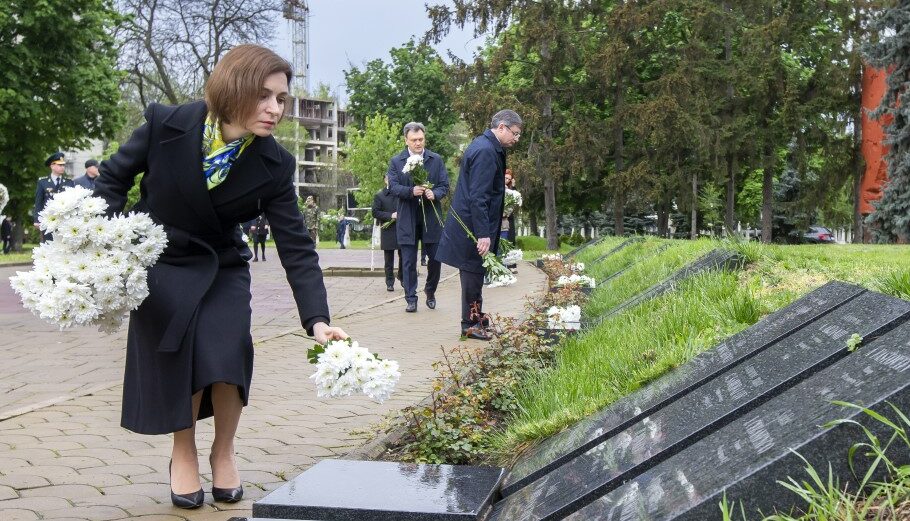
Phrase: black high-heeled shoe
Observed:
(225, 495)
(187, 501)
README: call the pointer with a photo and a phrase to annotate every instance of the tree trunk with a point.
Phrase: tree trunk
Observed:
(767, 206)
(693, 232)
(532, 222)
(546, 113)
(858, 163)
(619, 202)
(19, 236)
(663, 217)
(730, 210)
(550, 209)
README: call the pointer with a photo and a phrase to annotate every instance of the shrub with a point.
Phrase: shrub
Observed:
(531, 243)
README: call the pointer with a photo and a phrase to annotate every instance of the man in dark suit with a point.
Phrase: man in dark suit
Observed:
(385, 211)
(88, 179)
(6, 233)
(478, 202)
(418, 207)
(50, 186)
(260, 231)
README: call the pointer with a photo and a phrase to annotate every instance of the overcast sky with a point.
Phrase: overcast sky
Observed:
(357, 31)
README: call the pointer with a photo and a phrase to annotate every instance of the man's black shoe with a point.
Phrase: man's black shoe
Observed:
(484, 320)
(412, 307)
(390, 287)
(475, 333)
(431, 300)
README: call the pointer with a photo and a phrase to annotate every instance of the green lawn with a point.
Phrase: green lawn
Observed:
(17, 258)
(620, 355)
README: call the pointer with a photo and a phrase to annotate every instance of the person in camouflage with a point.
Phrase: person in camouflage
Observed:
(311, 216)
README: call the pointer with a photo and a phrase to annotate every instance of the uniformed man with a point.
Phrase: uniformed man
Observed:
(50, 186)
(311, 217)
(91, 173)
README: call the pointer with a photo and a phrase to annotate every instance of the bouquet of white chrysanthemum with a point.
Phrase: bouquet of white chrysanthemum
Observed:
(575, 280)
(4, 197)
(551, 257)
(577, 267)
(564, 317)
(512, 256)
(93, 272)
(512, 201)
(343, 368)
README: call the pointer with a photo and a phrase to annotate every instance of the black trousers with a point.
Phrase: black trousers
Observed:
(390, 266)
(471, 298)
(259, 241)
(409, 270)
(7, 244)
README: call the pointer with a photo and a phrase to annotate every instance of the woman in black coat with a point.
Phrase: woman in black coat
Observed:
(208, 167)
(385, 211)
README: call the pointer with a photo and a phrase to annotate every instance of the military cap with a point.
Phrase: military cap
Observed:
(55, 158)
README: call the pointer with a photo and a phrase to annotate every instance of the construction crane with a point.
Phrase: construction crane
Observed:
(297, 13)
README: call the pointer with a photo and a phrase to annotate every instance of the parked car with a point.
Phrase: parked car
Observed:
(819, 235)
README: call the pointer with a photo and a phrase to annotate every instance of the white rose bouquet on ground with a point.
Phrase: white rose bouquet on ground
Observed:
(577, 267)
(564, 317)
(4, 197)
(94, 270)
(343, 368)
(551, 257)
(575, 280)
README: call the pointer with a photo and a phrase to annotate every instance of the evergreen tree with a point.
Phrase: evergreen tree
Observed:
(891, 218)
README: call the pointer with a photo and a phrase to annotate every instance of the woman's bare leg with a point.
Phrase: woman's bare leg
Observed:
(185, 463)
(227, 404)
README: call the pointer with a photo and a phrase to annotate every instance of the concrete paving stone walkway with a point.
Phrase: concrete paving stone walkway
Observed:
(63, 454)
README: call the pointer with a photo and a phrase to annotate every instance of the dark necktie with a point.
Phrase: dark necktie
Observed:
(57, 183)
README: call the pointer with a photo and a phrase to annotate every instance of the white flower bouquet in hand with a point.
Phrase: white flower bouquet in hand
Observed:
(513, 256)
(343, 368)
(4, 197)
(512, 201)
(564, 317)
(94, 270)
(576, 280)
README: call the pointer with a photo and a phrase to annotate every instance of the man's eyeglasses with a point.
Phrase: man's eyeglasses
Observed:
(516, 134)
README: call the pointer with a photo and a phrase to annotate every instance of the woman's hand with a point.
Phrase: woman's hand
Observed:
(322, 332)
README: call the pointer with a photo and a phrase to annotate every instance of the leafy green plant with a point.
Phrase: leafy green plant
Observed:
(896, 284)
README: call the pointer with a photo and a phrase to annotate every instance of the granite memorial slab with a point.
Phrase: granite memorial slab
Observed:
(617, 248)
(562, 447)
(746, 459)
(715, 260)
(702, 411)
(342, 490)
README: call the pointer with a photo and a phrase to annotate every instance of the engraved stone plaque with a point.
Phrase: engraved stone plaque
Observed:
(702, 411)
(748, 457)
(564, 446)
(341, 490)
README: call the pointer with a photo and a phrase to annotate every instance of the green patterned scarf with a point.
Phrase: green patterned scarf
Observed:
(218, 155)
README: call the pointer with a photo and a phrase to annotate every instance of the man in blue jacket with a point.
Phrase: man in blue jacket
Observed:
(416, 223)
(478, 201)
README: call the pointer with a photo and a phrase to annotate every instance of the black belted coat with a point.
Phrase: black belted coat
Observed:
(193, 330)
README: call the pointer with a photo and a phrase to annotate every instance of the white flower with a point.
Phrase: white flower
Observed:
(4, 197)
(412, 163)
(93, 271)
(513, 256)
(343, 369)
(576, 280)
(564, 317)
(577, 267)
(551, 257)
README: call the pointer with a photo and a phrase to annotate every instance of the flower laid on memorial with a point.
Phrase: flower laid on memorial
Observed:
(577, 267)
(512, 201)
(575, 280)
(551, 257)
(513, 256)
(4, 197)
(568, 317)
(93, 271)
(344, 368)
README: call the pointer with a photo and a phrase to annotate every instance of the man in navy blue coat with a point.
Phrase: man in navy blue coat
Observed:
(478, 201)
(416, 223)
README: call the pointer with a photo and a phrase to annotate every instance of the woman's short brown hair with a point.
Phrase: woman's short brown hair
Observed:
(232, 91)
